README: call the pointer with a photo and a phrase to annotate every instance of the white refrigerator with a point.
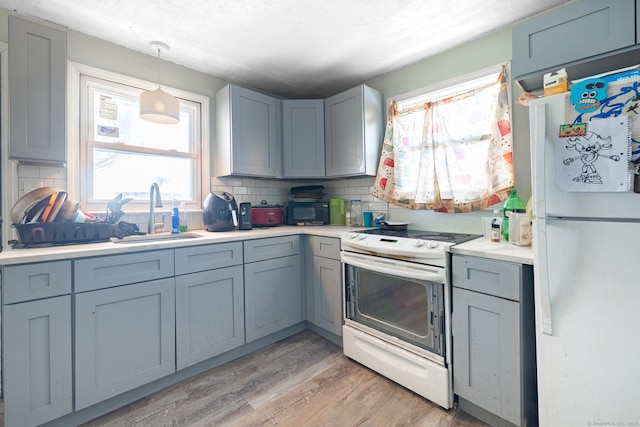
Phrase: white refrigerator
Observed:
(587, 291)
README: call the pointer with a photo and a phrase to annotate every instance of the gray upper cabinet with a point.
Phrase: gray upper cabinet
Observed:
(575, 32)
(303, 138)
(37, 81)
(353, 132)
(248, 129)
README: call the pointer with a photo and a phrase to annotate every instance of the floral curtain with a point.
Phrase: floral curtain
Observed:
(452, 155)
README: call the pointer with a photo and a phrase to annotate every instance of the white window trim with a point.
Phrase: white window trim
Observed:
(74, 70)
(8, 167)
(451, 86)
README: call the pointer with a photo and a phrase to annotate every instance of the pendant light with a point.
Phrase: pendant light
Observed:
(157, 105)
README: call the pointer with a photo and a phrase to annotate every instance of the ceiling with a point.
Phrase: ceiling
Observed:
(292, 48)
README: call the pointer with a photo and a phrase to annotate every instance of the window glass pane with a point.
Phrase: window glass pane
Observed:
(115, 119)
(131, 174)
(121, 153)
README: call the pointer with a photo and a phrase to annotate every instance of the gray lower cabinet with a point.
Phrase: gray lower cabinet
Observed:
(209, 314)
(36, 343)
(209, 302)
(303, 138)
(36, 346)
(494, 340)
(324, 284)
(124, 323)
(37, 77)
(273, 285)
(354, 129)
(125, 338)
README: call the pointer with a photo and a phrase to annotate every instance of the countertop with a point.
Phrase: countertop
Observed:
(29, 255)
(478, 247)
(495, 250)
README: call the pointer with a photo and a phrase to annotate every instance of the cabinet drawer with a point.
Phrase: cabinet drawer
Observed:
(116, 270)
(35, 281)
(209, 257)
(498, 278)
(326, 247)
(274, 247)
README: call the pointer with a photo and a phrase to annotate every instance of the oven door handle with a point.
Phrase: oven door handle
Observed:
(394, 267)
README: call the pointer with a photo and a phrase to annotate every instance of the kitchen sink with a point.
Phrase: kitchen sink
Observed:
(160, 237)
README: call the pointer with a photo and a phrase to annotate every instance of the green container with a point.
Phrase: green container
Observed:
(336, 211)
(513, 202)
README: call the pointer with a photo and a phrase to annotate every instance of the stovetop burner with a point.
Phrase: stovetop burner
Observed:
(424, 235)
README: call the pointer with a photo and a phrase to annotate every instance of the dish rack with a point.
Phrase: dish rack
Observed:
(62, 233)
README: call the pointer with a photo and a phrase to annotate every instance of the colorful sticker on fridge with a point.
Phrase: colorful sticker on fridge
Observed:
(576, 129)
(596, 161)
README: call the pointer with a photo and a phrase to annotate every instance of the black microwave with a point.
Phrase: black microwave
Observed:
(306, 213)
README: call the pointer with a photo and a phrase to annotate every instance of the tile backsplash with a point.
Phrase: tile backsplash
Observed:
(274, 191)
(252, 190)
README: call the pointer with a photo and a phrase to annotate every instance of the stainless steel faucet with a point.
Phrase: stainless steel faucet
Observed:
(151, 229)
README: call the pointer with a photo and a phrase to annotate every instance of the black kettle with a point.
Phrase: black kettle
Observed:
(220, 212)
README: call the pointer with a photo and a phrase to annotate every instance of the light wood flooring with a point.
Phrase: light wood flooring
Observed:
(304, 380)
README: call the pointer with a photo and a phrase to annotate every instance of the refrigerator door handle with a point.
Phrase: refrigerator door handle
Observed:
(538, 146)
(541, 276)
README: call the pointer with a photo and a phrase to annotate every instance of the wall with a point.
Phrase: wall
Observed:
(487, 51)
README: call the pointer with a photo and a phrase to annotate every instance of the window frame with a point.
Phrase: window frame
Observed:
(439, 93)
(77, 171)
(450, 87)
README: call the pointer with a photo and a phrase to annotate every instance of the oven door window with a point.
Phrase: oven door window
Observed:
(405, 308)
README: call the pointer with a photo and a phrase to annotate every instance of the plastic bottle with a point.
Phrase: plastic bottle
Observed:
(183, 221)
(175, 219)
(356, 213)
(496, 222)
(513, 202)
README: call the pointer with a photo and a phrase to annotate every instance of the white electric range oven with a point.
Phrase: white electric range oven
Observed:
(398, 307)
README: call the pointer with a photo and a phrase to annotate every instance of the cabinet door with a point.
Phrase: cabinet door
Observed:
(486, 353)
(209, 314)
(303, 138)
(344, 133)
(354, 123)
(273, 297)
(125, 338)
(327, 288)
(572, 32)
(37, 361)
(37, 76)
(247, 133)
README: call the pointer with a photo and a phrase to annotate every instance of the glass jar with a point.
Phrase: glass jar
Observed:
(356, 213)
